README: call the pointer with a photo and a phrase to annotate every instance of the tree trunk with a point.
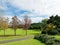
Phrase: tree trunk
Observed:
(15, 32)
(26, 32)
(4, 32)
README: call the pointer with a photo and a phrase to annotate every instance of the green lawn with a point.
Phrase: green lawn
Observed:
(10, 37)
(20, 34)
(25, 42)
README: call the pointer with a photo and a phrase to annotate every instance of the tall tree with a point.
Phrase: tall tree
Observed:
(15, 23)
(27, 22)
(54, 20)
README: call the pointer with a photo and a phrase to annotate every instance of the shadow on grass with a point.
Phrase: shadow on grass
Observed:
(9, 35)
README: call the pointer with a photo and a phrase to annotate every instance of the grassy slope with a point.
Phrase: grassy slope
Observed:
(26, 42)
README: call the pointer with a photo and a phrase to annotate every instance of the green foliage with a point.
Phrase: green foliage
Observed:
(44, 24)
(39, 25)
(44, 32)
(52, 26)
(58, 29)
(37, 36)
(54, 20)
(48, 40)
(52, 32)
(35, 26)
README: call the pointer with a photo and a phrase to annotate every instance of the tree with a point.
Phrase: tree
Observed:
(1, 19)
(51, 26)
(27, 22)
(15, 23)
(4, 24)
(54, 20)
(43, 24)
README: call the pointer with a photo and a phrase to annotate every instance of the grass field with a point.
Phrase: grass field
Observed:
(29, 42)
(26, 42)
(20, 34)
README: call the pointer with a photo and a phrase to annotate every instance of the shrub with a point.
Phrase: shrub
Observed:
(58, 30)
(48, 40)
(56, 43)
(52, 32)
(37, 36)
(43, 32)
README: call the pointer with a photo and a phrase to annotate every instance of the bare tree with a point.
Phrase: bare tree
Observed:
(27, 22)
(15, 22)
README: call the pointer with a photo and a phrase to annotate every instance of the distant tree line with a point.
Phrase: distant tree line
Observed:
(40, 25)
(35, 26)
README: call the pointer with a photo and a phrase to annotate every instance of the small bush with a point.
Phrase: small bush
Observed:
(56, 43)
(43, 32)
(58, 30)
(48, 40)
(36, 36)
(56, 40)
(52, 32)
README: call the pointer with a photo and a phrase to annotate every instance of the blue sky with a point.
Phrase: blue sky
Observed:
(36, 9)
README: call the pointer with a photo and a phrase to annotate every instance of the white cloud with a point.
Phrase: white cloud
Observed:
(2, 8)
(37, 19)
(9, 16)
(48, 7)
(38, 7)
